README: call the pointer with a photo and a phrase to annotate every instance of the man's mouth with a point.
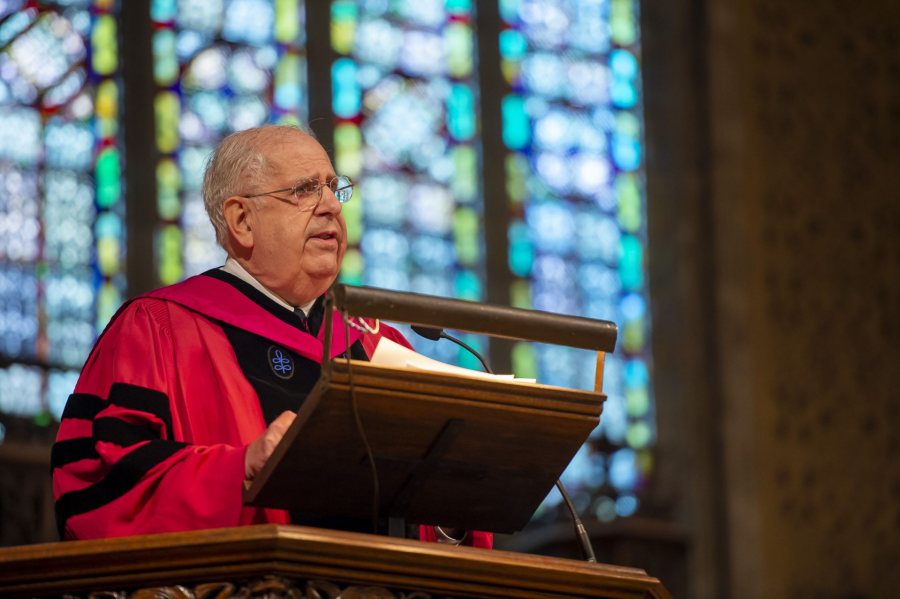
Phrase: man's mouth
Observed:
(326, 236)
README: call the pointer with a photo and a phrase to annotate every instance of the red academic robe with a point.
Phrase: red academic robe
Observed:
(153, 438)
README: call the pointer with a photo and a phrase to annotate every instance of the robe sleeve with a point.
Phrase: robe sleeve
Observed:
(119, 466)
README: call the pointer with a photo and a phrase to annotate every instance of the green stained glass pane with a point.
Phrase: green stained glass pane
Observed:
(169, 254)
(352, 268)
(353, 215)
(516, 125)
(465, 168)
(630, 207)
(520, 295)
(104, 45)
(628, 124)
(348, 150)
(109, 299)
(622, 22)
(638, 435)
(168, 184)
(167, 108)
(458, 45)
(461, 113)
(524, 361)
(465, 236)
(632, 336)
(343, 25)
(287, 20)
(108, 177)
(637, 402)
(516, 174)
(108, 252)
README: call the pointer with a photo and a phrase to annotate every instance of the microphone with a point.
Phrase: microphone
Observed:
(587, 551)
(435, 334)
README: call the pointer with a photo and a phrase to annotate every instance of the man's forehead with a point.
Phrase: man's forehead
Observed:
(293, 148)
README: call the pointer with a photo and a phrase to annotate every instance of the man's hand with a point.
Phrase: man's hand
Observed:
(262, 447)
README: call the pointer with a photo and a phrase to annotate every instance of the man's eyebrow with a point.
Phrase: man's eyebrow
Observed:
(317, 177)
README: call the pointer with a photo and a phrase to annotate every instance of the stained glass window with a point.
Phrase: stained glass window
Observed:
(572, 124)
(220, 66)
(405, 97)
(61, 208)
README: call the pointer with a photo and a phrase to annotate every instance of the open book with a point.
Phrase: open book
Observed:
(388, 353)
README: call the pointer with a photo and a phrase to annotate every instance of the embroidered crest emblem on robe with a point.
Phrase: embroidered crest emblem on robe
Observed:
(281, 362)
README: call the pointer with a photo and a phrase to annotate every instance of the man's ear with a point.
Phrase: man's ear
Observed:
(238, 218)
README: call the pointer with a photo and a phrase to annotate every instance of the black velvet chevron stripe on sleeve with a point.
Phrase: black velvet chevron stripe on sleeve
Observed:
(142, 399)
(83, 406)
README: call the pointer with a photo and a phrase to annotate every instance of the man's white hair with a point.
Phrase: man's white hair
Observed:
(237, 166)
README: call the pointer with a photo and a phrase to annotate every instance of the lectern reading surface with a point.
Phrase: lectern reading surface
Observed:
(449, 450)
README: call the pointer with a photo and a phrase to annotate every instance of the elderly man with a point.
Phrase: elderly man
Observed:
(190, 387)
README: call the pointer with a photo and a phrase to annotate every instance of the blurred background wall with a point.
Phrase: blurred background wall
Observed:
(719, 178)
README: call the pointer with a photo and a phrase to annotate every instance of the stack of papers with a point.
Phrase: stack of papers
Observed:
(394, 355)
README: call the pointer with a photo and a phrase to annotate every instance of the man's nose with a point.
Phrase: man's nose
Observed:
(328, 203)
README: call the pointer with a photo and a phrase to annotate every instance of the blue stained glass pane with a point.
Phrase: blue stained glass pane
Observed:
(431, 284)
(21, 390)
(249, 22)
(346, 93)
(623, 470)
(385, 200)
(461, 112)
(552, 226)
(433, 254)
(68, 145)
(20, 134)
(467, 285)
(516, 129)
(385, 245)
(521, 253)
(597, 237)
(204, 16)
(18, 312)
(513, 44)
(163, 10)
(631, 266)
(626, 505)
(599, 281)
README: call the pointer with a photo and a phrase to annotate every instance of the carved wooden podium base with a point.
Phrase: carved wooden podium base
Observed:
(286, 561)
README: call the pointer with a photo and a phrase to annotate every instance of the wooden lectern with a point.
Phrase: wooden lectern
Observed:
(449, 450)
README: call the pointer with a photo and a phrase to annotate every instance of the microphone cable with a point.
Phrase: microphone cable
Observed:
(376, 491)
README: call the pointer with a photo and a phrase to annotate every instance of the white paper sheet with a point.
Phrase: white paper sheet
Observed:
(395, 355)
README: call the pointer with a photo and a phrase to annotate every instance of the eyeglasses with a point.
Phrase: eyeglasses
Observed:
(307, 194)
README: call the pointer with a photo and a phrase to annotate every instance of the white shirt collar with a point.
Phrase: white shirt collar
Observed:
(233, 267)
